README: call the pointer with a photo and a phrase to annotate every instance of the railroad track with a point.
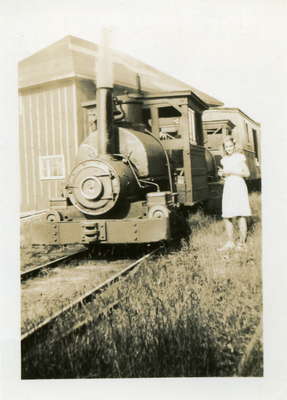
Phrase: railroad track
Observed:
(32, 272)
(41, 332)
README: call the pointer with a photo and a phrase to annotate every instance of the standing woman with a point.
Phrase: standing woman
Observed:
(235, 202)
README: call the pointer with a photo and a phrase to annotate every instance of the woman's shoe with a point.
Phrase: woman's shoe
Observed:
(228, 246)
(241, 246)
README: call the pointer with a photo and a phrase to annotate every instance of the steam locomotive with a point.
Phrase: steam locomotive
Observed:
(134, 174)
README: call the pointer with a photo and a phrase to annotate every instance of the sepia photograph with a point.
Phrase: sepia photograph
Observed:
(146, 188)
(125, 170)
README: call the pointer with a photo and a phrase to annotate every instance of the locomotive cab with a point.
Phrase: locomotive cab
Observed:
(175, 119)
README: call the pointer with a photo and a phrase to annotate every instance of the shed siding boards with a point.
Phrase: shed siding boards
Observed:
(50, 124)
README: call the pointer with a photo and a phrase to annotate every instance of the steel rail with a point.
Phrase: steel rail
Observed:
(51, 264)
(32, 214)
(80, 326)
(42, 330)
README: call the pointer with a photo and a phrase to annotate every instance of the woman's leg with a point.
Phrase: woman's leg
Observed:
(242, 224)
(229, 228)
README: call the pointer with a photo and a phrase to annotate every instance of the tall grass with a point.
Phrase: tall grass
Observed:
(193, 312)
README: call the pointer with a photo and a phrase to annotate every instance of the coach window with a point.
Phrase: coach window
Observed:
(214, 131)
(254, 133)
(52, 167)
(169, 123)
(247, 132)
(214, 137)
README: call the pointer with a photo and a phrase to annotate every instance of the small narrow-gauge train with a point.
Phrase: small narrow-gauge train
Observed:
(135, 174)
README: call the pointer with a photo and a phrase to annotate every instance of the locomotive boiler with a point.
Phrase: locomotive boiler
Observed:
(117, 167)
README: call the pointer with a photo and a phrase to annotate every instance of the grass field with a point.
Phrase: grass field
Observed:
(194, 312)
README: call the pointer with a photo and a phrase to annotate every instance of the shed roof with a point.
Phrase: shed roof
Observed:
(74, 57)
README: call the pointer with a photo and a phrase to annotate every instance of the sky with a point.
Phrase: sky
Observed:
(233, 50)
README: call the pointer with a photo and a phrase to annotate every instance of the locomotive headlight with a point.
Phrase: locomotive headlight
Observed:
(91, 188)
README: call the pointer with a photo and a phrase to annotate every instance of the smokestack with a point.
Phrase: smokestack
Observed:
(104, 82)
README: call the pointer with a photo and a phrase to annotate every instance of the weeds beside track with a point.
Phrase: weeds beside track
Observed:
(77, 314)
(192, 313)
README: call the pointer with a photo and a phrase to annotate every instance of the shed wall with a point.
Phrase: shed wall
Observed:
(48, 126)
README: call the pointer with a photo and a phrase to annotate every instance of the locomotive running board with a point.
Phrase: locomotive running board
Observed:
(112, 231)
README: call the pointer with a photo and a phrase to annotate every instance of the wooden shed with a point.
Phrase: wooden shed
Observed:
(53, 84)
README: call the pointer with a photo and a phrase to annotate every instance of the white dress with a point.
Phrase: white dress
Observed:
(235, 201)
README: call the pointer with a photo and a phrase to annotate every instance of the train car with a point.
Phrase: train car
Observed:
(224, 121)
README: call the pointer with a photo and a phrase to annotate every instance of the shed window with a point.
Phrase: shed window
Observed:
(52, 167)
